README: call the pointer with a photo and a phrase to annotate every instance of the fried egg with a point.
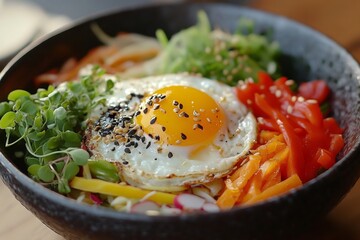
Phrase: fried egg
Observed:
(172, 131)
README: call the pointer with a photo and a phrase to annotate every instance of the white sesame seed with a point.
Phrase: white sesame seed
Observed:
(208, 119)
(278, 93)
(176, 110)
(289, 82)
(289, 109)
(260, 120)
(273, 89)
(301, 99)
(243, 87)
(313, 101)
(202, 110)
(293, 98)
(249, 80)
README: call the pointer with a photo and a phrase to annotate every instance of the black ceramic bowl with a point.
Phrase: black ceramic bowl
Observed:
(307, 55)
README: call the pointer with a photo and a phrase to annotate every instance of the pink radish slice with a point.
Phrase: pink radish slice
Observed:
(188, 201)
(144, 207)
(210, 207)
(169, 210)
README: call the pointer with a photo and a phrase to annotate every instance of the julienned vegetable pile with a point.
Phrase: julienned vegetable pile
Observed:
(294, 141)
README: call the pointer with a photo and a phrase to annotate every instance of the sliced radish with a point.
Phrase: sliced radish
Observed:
(188, 201)
(210, 207)
(203, 193)
(169, 210)
(215, 187)
(145, 207)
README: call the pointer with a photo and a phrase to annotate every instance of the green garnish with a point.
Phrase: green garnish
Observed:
(218, 55)
(49, 123)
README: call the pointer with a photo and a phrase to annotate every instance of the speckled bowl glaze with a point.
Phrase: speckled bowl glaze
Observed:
(307, 55)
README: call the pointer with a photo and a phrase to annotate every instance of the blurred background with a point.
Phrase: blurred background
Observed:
(22, 21)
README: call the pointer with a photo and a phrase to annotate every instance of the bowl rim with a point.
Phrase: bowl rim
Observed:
(109, 213)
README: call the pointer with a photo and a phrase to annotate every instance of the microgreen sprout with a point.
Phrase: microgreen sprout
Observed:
(50, 122)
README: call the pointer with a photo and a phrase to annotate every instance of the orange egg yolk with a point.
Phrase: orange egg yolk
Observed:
(180, 115)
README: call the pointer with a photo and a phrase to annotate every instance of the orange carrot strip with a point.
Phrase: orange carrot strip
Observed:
(253, 187)
(266, 136)
(234, 188)
(228, 198)
(240, 171)
(272, 179)
(278, 189)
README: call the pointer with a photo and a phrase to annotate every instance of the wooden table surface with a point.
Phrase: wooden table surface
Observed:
(339, 19)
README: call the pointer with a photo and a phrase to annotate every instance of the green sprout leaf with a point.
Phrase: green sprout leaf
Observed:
(8, 120)
(60, 113)
(79, 156)
(16, 94)
(34, 169)
(45, 174)
(4, 108)
(71, 170)
(63, 186)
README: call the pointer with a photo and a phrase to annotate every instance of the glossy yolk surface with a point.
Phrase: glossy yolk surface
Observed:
(180, 115)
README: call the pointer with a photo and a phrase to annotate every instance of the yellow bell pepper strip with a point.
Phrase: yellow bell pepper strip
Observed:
(115, 189)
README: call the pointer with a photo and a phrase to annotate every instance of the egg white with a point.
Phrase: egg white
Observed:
(150, 167)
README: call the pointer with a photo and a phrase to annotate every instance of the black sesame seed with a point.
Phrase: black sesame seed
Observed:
(143, 139)
(200, 127)
(150, 135)
(175, 103)
(153, 120)
(137, 113)
(181, 106)
(148, 145)
(129, 144)
(132, 132)
(113, 149)
(156, 106)
(136, 145)
(163, 128)
(157, 137)
(145, 111)
(185, 115)
(127, 150)
(170, 154)
(162, 96)
(183, 136)
(125, 162)
(155, 159)
(116, 143)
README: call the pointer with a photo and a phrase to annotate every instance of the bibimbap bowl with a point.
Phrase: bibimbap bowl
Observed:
(306, 55)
